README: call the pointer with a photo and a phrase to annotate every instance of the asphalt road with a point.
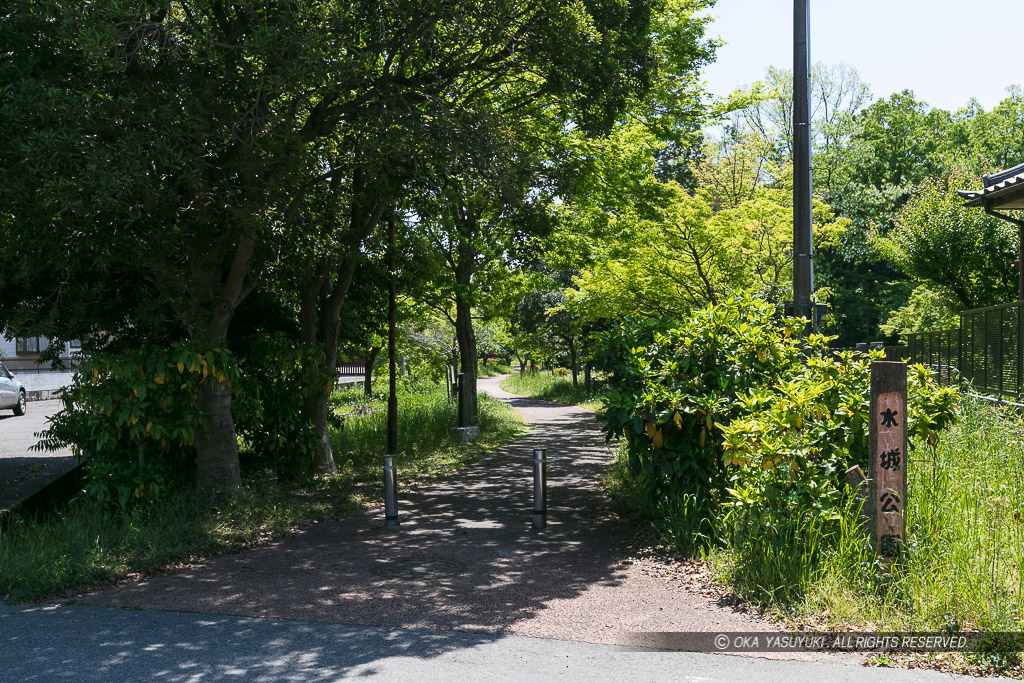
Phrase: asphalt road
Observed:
(17, 434)
(23, 470)
(89, 643)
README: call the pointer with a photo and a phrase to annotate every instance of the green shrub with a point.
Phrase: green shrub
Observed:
(277, 375)
(675, 387)
(739, 418)
(132, 417)
(791, 450)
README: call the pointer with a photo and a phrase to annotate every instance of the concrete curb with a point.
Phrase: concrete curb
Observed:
(53, 490)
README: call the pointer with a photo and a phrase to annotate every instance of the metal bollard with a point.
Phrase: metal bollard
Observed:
(390, 492)
(540, 488)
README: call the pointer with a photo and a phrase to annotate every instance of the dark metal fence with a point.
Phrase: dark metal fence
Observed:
(985, 350)
(895, 353)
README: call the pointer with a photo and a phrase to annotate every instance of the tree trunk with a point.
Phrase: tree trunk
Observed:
(320, 312)
(586, 375)
(314, 403)
(314, 410)
(572, 362)
(322, 299)
(467, 360)
(371, 356)
(216, 291)
(217, 448)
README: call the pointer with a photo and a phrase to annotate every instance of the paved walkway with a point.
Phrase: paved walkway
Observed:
(465, 557)
(451, 595)
(82, 643)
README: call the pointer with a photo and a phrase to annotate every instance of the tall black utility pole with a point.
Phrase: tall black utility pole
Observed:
(390, 470)
(392, 443)
(803, 242)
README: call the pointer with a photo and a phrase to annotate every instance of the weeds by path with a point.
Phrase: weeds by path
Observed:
(962, 571)
(424, 449)
(558, 389)
(493, 369)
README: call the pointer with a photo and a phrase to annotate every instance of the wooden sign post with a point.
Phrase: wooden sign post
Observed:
(887, 441)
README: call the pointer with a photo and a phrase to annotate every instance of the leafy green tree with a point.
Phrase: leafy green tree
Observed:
(837, 95)
(542, 316)
(958, 251)
(900, 141)
(655, 249)
(481, 208)
(157, 138)
(927, 311)
(494, 339)
(997, 137)
(164, 142)
(896, 143)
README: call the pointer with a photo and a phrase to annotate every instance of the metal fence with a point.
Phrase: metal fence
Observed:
(355, 368)
(895, 353)
(985, 350)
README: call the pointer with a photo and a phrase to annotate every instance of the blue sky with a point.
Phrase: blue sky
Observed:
(945, 51)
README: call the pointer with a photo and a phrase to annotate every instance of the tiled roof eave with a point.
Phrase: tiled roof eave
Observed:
(990, 192)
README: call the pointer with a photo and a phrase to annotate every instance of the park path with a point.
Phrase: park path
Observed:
(465, 557)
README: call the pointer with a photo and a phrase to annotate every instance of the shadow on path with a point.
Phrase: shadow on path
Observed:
(465, 556)
(464, 559)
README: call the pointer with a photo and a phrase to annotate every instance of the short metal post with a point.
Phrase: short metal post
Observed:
(390, 492)
(540, 488)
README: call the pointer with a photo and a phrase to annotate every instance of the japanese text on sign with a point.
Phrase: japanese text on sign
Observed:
(888, 469)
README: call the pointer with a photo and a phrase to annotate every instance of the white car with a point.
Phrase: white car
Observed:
(12, 392)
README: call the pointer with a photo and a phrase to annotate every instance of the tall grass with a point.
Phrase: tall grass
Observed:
(965, 514)
(493, 369)
(425, 417)
(965, 541)
(557, 388)
(80, 545)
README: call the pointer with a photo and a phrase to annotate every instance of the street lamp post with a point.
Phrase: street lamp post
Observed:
(803, 240)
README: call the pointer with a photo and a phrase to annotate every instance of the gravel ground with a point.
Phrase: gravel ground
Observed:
(465, 557)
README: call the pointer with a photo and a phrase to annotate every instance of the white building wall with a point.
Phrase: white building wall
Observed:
(7, 347)
(40, 382)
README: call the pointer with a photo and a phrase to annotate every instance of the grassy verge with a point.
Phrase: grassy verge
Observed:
(558, 389)
(424, 450)
(965, 562)
(78, 546)
(964, 566)
(493, 369)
